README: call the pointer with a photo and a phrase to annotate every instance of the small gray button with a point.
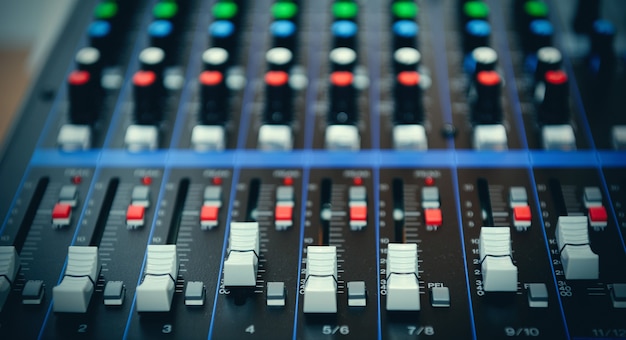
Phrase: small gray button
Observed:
(68, 195)
(592, 197)
(357, 194)
(114, 292)
(537, 295)
(284, 194)
(33, 292)
(357, 294)
(195, 293)
(141, 196)
(440, 297)
(518, 196)
(618, 295)
(276, 294)
(430, 197)
(213, 193)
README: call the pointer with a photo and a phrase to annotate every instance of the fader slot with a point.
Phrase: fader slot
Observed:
(57, 205)
(198, 246)
(269, 306)
(29, 214)
(507, 259)
(398, 210)
(336, 284)
(121, 248)
(442, 294)
(485, 202)
(584, 269)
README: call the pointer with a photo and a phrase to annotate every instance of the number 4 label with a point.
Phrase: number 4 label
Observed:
(250, 329)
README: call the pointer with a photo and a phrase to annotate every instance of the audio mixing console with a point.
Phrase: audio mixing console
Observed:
(275, 169)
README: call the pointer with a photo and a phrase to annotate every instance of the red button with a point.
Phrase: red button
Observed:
(522, 213)
(210, 78)
(78, 78)
(144, 78)
(358, 213)
(433, 217)
(209, 213)
(276, 78)
(557, 77)
(341, 78)
(135, 213)
(61, 211)
(598, 214)
(283, 212)
(408, 78)
(488, 78)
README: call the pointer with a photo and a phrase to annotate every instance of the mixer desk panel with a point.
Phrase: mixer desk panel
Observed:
(291, 169)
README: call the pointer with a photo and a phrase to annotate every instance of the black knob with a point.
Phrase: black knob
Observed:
(222, 33)
(278, 98)
(483, 59)
(148, 94)
(404, 34)
(484, 98)
(344, 34)
(279, 59)
(530, 11)
(473, 10)
(342, 59)
(406, 59)
(102, 37)
(213, 98)
(284, 34)
(152, 59)
(84, 97)
(408, 98)
(539, 34)
(587, 12)
(90, 59)
(552, 99)
(161, 33)
(342, 99)
(548, 59)
(602, 55)
(476, 34)
(215, 59)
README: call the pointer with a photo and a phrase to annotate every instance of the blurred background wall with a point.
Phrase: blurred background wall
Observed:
(28, 30)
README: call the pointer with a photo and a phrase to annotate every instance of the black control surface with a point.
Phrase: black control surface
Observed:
(290, 169)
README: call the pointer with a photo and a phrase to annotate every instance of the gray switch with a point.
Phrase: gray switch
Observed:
(195, 293)
(357, 294)
(518, 196)
(592, 197)
(537, 295)
(440, 297)
(33, 292)
(141, 196)
(284, 193)
(275, 294)
(430, 197)
(358, 194)
(68, 195)
(618, 295)
(114, 293)
(213, 195)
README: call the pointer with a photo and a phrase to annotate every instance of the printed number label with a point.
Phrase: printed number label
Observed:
(250, 329)
(167, 329)
(331, 330)
(82, 328)
(425, 330)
